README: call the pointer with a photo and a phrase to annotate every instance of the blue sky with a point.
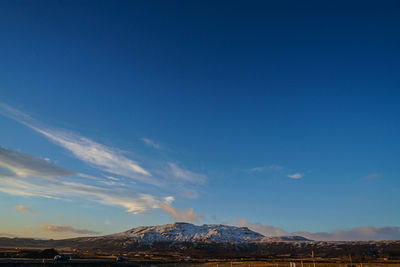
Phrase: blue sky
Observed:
(278, 113)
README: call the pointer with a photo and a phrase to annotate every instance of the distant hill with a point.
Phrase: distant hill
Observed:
(291, 238)
(146, 236)
(209, 240)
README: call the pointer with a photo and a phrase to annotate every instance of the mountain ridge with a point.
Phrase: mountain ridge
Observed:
(206, 241)
(187, 232)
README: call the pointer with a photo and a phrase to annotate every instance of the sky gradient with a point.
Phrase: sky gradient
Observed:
(278, 115)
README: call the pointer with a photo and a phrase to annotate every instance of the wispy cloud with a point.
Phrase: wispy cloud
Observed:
(266, 230)
(67, 229)
(37, 183)
(26, 175)
(23, 208)
(8, 235)
(187, 215)
(296, 175)
(363, 233)
(186, 175)
(108, 159)
(189, 194)
(151, 143)
(371, 177)
(13, 163)
(272, 167)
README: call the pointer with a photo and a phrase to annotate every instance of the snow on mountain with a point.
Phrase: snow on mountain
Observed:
(186, 232)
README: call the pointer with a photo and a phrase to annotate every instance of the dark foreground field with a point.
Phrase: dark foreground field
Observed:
(23, 252)
(211, 262)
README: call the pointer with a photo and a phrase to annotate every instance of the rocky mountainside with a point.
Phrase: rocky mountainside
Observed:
(186, 232)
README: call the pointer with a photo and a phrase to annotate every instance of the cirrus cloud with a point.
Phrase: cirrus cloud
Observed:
(296, 175)
(151, 143)
(363, 233)
(26, 175)
(13, 163)
(272, 167)
(67, 229)
(105, 158)
(186, 175)
(23, 208)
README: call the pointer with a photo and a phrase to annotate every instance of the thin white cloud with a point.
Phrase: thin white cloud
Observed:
(26, 175)
(105, 158)
(364, 233)
(67, 229)
(266, 230)
(296, 175)
(151, 143)
(23, 208)
(136, 203)
(186, 175)
(272, 167)
(32, 187)
(187, 215)
(13, 113)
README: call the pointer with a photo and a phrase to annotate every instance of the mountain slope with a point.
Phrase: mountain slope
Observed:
(206, 238)
(186, 232)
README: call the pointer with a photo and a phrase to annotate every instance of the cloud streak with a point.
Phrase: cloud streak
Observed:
(266, 230)
(272, 167)
(8, 235)
(19, 164)
(186, 175)
(296, 175)
(67, 229)
(23, 208)
(105, 158)
(151, 143)
(187, 215)
(26, 175)
(363, 233)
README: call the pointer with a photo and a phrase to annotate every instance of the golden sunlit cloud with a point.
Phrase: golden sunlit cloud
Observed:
(23, 208)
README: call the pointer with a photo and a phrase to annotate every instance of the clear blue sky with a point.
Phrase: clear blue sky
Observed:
(283, 113)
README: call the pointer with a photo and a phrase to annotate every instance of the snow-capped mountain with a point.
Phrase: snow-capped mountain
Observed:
(183, 236)
(186, 232)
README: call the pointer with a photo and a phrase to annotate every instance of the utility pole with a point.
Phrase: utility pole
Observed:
(312, 254)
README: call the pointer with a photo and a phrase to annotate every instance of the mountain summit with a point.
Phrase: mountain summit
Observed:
(186, 232)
